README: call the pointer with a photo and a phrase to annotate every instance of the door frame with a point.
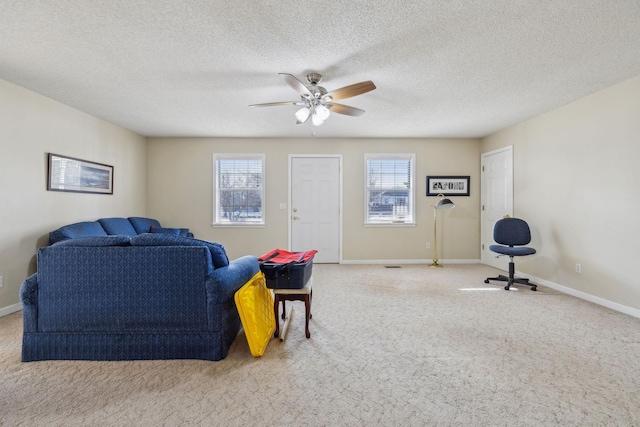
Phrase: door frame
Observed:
(483, 237)
(340, 196)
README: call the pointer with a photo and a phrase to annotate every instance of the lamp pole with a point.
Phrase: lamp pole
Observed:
(435, 240)
(443, 204)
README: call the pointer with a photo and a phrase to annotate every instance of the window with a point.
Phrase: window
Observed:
(389, 187)
(239, 190)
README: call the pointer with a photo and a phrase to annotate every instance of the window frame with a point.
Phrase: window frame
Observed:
(216, 193)
(411, 157)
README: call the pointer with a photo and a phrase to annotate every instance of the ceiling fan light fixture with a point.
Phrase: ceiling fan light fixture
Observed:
(302, 115)
(316, 120)
(322, 112)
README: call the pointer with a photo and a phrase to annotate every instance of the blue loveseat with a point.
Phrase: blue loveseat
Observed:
(106, 293)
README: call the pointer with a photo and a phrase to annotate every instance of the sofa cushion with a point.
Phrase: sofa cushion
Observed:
(218, 253)
(96, 241)
(117, 227)
(143, 225)
(79, 229)
(184, 232)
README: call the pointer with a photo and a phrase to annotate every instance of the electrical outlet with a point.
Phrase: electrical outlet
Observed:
(578, 268)
(428, 245)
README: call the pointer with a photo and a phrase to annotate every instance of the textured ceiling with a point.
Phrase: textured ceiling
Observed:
(443, 68)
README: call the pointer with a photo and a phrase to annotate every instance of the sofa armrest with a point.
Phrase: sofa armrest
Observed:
(221, 286)
(29, 299)
(224, 282)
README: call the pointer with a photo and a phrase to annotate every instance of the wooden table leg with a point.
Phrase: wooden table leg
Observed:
(307, 309)
(276, 303)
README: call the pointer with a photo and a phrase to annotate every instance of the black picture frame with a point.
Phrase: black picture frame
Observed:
(78, 176)
(448, 185)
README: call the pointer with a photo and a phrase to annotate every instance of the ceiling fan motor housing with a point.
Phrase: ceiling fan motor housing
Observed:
(314, 78)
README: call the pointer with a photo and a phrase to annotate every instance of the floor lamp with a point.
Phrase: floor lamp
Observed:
(443, 205)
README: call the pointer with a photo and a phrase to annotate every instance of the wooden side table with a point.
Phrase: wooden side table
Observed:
(281, 295)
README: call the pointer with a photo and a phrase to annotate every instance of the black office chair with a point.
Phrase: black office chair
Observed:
(512, 234)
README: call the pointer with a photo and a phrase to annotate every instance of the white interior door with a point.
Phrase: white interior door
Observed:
(315, 206)
(497, 200)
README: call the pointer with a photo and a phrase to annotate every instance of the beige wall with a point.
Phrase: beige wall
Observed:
(180, 193)
(577, 182)
(30, 127)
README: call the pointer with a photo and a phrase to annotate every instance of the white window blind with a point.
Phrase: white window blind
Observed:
(239, 190)
(390, 190)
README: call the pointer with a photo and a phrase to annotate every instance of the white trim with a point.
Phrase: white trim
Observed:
(498, 150)
(583, 295)
(409, 261)
(392, 224)
(4, 311)
(256, 225)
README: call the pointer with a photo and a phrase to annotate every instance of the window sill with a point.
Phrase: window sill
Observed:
(263, 225)
(391, 224)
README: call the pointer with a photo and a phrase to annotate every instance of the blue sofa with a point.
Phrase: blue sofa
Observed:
(116, 296)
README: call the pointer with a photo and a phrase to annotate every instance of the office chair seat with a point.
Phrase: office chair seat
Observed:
(512, 251)
(512, 234)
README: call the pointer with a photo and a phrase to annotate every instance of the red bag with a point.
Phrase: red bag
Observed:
(280, 256)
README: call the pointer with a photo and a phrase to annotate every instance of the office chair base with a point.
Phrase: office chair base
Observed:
(511, 279)
(515, 280)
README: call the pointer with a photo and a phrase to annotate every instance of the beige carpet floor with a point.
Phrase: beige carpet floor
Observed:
(409, 346)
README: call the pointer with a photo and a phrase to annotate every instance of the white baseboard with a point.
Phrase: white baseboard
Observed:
(408, 261)
(583, 295)
(10, 309)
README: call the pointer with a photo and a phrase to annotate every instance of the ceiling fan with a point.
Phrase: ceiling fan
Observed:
(316, 102)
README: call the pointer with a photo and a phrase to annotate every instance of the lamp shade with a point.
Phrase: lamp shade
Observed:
(322, 112)
(445, 204)
(303, 114)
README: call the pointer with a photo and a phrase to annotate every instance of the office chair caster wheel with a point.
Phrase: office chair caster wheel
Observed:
(506, 288)
(486, 281)
(534, 288)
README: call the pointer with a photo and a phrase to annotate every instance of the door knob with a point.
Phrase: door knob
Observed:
(295, 210)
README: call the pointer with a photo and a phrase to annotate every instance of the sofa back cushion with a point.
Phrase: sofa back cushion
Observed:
(218, 253)
(143, 225)
(117, 227)
(184, 232)
(79, 229)
(97, 241)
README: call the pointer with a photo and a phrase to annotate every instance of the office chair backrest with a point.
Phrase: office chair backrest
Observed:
(512, 232)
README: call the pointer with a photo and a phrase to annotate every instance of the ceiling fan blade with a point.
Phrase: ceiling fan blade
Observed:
(351, 90)
(344, 109)
(295, 84)
(274, 104)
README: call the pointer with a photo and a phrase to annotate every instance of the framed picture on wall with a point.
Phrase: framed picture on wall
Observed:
(80, 176)
(448, 185)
